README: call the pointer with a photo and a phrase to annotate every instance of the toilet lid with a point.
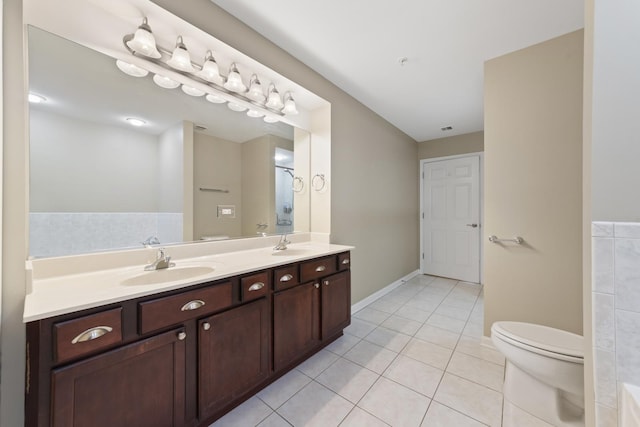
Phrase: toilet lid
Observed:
(542, 337)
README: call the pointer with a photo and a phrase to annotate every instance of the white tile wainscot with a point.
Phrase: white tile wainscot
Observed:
(616, 314)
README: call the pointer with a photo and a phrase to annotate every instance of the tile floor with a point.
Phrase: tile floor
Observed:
(411, 358)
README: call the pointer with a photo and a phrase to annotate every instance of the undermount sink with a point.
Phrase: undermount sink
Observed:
(165, 275)
(290, 252)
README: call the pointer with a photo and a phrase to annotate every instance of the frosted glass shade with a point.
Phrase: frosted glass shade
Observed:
(143, 41)
(131, 69)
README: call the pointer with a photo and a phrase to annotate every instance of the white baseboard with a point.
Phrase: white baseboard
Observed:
(486, 342)
(382, 292)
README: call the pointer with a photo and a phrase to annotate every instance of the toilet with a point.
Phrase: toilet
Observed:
(544, 373)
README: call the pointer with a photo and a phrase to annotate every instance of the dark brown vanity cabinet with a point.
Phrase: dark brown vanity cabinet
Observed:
(184, 357)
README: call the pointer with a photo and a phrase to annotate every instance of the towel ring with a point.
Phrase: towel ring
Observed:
(298, 184)
(318, 182)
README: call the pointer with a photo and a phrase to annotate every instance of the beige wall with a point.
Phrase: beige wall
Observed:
(258, 185)
(533, 184)
(452, 145)
(217, 163)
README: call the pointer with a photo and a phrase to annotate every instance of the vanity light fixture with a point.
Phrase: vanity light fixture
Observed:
(180, 58)
(289, 104)
(273, 99)
(206, 78)
(34, 98)
(136, 122)
(131, 69)
(234, 80)
(190, 90)
(144, 42)
(165, 82)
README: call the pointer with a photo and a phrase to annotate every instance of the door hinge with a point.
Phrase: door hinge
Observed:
(422, 215)
(422, 255)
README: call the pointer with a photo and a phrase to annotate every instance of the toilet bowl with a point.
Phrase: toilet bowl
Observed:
(544, 373)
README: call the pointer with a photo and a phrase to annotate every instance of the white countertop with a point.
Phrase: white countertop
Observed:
(53, 295)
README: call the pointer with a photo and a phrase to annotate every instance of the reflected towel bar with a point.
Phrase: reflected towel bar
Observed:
(215, 190)
(517, 240)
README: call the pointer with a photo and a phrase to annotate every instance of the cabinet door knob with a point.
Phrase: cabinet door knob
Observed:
(92, 334)
(182, 336)
(317, 285)
(326, 283)
(320, 268)
(206, 326)
(345, 261)
(256, 286)
(286, 278)
(192, 305)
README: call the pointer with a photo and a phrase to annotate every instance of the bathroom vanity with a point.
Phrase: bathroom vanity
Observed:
(183, 356)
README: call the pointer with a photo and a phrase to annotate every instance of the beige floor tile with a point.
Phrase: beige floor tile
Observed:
(315, 405)
(428, 353)
(359, 328)
(360, 418)
(274, 420)
(349, 380)
(423, 303)
(439, 336)
(516, 417)
(400, 324)
(372, 315)
(386, 306)
(391, 340)
(477, 370)
(415, 375)
(395, 404)
(466, 303)
(440, 416)
(473, 346)
(250, 413)
(452, 311)
(471, 399)
(343, 344)
(371, 356)
(445, 322)
(413, 313)
(282, 390)
(313, 366)
(473, 330)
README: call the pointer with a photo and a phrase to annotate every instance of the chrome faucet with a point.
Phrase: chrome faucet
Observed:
(282, 244)
(162, 261)
(151, 240)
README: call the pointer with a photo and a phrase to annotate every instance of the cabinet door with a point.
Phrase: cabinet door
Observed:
(233, 354)
(141, 384)
(336, 303)
(296, 323)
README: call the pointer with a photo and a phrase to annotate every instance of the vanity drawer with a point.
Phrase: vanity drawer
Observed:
(162, 312)
(313, 269)
(254, 286)
(286, 277)
(344, 261)
(86, 334)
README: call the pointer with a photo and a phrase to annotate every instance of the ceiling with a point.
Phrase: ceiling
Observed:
(357, 45)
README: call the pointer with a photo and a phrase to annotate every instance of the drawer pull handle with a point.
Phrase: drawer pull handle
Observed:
(286, 278)
(345, 261)
(326, 283)
(321, 268)
(317, 285)
(192, 305)
(182, 336)
(256, 286)
(206, 326)
(92, 334)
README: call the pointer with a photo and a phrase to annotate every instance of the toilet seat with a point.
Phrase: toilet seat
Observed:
(542, 340)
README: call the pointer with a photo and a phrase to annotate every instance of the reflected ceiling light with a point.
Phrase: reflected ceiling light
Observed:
(255, 90)
(254, 113)
(190, 90)
(143, 41)
(289, 104)
(180, 58)
(271, 119)
(131, 69)
(273, 100)
(234, 80)
(165, 82)
(215, 99)
(236, 107)
(136, 122)
(210, 71)
(36, 99)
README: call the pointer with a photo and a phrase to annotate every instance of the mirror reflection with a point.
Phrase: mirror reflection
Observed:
(116, 161)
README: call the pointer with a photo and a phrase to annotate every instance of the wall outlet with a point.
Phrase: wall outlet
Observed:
(226, 211)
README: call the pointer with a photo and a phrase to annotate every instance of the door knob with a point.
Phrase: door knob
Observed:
(472, 225)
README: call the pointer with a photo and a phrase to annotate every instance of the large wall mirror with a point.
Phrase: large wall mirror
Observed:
(192, 170)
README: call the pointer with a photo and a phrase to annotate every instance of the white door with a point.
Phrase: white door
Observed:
(451, 218)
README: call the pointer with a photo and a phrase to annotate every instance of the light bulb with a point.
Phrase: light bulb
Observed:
(254, 113)
(236, 107)
(165, 82)
(215, 99)
(274, 101)
(289, 105)
(143, 41)
(234, 80)
(136, 122)
(190, 90)
(210, 71)
(180, 59)
(131, 69)
(255, 90)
